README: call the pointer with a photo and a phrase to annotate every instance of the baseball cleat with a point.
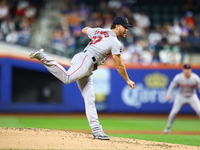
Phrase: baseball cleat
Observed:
(167, 130)
(37, 54)
(100, 135)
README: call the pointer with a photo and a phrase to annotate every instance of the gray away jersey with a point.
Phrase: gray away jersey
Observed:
(103, 43)
(187, 87)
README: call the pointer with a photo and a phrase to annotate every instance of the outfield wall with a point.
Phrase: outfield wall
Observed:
(26, 86)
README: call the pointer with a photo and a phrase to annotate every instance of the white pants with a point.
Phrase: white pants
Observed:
(193, 101)
(81, 72)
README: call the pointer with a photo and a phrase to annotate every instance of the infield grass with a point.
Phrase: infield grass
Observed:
(115, 124)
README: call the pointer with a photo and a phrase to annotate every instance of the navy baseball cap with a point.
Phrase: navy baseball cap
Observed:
(187, 66)
(120, 20)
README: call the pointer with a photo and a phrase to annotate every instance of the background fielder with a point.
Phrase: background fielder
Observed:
(187, 82)
(103, 42)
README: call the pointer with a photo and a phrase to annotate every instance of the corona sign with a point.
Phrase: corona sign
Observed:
(156, 80)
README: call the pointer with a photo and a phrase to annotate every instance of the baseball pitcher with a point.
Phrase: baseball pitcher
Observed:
(103, 42)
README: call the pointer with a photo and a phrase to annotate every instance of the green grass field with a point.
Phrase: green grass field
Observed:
(113, 123)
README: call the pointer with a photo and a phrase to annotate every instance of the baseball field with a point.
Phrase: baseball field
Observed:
(127, 131)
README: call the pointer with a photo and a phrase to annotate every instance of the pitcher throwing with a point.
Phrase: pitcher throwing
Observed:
(103, 42)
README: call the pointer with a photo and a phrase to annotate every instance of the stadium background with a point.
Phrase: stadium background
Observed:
(26, 86)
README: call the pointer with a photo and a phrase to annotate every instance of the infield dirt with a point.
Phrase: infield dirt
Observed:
(34, 138)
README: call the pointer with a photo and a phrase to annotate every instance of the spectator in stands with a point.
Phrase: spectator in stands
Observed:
(57, 43)
(135, 49)
(184, 30)
(24, 33)
(76, 31)
(30, 13)
(173, 38)
(4, 11)
(176, 55)
(137, 31)
(189, 20)
(154, 37)
(107, 20)
(20, 10)
(69, 43)
(126, 56)
(197, 21)
(84, 12)
(194, 39)
(146, 56)
(185, 43)
(175, 27)
(94, 18)
(165, 55)
(143, 20)
(114, 4)
(12, 37)
(7, 26)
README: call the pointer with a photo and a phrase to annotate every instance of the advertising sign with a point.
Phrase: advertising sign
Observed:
(149, 94)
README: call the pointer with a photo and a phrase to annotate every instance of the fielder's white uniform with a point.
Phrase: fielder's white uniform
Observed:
(186, 94)
(103, 43)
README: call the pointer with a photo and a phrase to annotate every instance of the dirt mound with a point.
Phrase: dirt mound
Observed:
(34, 138)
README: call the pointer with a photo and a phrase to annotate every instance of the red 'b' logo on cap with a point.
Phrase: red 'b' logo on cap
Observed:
(126, 20)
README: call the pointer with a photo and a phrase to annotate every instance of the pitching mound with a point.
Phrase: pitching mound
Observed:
(34, 138)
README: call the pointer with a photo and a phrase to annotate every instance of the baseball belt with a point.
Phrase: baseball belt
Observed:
(94, 60)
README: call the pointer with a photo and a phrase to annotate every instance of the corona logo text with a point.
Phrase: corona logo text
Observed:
(142, 95)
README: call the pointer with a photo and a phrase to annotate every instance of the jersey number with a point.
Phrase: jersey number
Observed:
(95, 39)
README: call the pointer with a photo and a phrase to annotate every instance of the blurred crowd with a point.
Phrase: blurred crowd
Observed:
(146, 42)
(16, 20)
